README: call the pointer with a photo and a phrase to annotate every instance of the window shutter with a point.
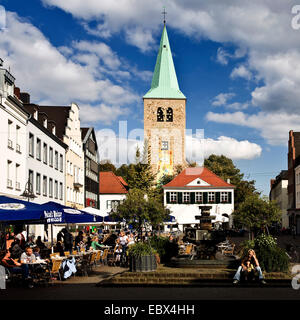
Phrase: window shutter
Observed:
(168, 197)
(229, 197)
(205, 197)
(192, 197)
(218, 197)
(179, 195)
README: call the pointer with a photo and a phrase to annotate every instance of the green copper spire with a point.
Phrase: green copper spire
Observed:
(164, 81)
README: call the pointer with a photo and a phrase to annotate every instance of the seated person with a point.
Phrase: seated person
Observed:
(28, 256)
(40, 243)
(249, 264)
(59, 248)
(16, 249)
(95, 244)
(29, 242)
(14, 266)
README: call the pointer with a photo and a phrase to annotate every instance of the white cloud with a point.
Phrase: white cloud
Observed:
(260, 30)
(241, 72)
(221, 99)
(272, 127)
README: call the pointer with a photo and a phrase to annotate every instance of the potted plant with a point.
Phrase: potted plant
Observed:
(142, 258)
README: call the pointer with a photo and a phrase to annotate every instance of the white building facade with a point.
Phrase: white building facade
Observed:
(189, 191)
(13, 146)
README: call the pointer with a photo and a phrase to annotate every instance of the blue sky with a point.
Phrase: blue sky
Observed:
(237, 64)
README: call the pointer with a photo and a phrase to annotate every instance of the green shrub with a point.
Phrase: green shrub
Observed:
(141, 249)
(270, 257)
(165, 248)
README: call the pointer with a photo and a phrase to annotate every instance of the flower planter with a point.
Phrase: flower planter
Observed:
(142, 263)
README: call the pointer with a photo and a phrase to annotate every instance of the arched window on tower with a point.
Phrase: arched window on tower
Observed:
(170, 115)
(160, 114)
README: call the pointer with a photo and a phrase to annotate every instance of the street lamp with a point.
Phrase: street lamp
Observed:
(28, 192)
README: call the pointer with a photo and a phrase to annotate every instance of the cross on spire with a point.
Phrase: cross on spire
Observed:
(164, 13)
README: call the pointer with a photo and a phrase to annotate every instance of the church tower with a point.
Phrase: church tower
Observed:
(164, 115)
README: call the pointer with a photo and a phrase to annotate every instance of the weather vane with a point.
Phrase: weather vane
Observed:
(164, 13)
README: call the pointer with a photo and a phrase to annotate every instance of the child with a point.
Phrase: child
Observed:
(118, 254)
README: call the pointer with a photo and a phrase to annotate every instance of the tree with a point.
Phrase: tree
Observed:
(257, 213)
(138, 175)
(139, 207)
(106, 165)
(225, 169)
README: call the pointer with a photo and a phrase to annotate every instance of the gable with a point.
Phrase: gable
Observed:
(198, 183)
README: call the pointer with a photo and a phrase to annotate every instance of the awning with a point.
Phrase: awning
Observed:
(12, 210)
(55, 213)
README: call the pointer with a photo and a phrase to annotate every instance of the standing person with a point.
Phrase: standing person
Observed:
(59, 236)
(40, 243)
(79, 240)
(68, 240)
(123, 241)
(249, 263)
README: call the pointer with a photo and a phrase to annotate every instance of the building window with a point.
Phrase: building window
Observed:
(45, 186)
(108, 204)
(61, 163)
(211, 197)
(61, 191)
(9, 134)
(186, 197)
(56, 189)
(38, 183)
(173, 197)
(30, 179)
(18, 147)
(9, 178)
(224, 197)
(50, 157)
(38, 149)
(160, 115)
(199, 197)
(56, 160)
(45, 153)
(18, 185)
(169, 115)
(164, 145)
(31, 144)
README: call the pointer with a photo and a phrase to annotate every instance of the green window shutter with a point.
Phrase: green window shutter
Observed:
(179, 196)
(205, 197)
(168, 197)
(229, 197)
(218, 197)
(192, 197)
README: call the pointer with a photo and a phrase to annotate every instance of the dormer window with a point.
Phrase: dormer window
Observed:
(170, 115)
(160, 115)
(53, 130)
(35, 114)
(45, 122)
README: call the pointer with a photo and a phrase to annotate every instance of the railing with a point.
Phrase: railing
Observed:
(18, 186)
(9, 183)
(18, 148)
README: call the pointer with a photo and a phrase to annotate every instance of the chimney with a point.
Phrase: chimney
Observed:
(272, 181)
(228, 180)
(25, 97)
(17, 92)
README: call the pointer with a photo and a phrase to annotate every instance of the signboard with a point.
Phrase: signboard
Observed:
(53, 216)
(12, 206)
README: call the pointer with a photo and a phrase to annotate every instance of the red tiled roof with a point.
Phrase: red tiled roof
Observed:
(123, 181)
(109, 183)
(190, 174)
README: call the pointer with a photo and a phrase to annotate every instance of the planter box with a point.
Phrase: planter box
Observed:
(142, 263)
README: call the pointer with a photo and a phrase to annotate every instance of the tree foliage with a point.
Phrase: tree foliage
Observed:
(139, 207)
(257, 213)
(225, 169)
(106, 165)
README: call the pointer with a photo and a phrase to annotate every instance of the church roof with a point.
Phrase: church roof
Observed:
(164, 81)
